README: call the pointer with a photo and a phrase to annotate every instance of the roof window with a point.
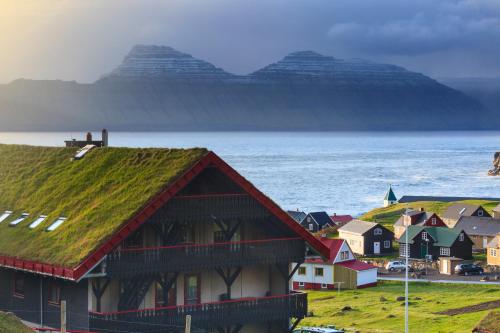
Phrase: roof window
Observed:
(56, 224)
(5, 215)
(20, 219)
(39, 220)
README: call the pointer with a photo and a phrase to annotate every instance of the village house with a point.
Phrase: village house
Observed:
(481, 230)
(340, 269)
(341, 220)
(493, 252)
(136, 239)
(496, 212)
(367, 238)
(297, 215)
(316, 221)
(456, 211)
(417, 217)
(434, 242)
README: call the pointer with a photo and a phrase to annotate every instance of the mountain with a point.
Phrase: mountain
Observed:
(160, 88)
(485, 90)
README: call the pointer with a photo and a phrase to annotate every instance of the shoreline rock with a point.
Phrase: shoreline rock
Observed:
(496, 165)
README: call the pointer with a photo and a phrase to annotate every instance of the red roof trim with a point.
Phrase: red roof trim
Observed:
(141, 217)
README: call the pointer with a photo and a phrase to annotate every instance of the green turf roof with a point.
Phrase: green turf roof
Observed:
(442, 236)
(96, 194)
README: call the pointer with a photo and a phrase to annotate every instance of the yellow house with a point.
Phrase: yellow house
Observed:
(493, 251)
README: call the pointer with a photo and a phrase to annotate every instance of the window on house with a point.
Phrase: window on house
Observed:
(302, 271)
(387, 244)
(424, 236)
(444, 251)
(37, 222)
(344, 255)
(56, 224)
(160, 300)
(318, 271)
(324, 286)
(480, 213)
(18, 287)
(433, 221)
(311, 227)
(20, 219)
(493, 252)
(461, 237)
(301, 284)
(54, 293)
(377, 232)
(404, 250)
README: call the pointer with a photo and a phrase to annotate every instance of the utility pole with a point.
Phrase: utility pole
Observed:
(188, 324)
(63, 316)
(407, 248)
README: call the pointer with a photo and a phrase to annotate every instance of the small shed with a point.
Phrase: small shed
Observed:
(447, 264)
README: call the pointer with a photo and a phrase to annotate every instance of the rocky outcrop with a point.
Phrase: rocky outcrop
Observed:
(159, 88)
(496, 165)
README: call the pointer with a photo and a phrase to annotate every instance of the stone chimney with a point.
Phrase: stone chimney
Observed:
(104, 137)
(89, 137)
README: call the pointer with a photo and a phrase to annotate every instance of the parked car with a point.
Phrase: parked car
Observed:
(396, 266)
(469, 269)
(327, 329)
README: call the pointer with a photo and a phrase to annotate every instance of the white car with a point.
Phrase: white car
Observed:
(328, 329)
(396, 266)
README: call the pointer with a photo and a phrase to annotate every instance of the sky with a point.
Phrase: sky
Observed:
(83, 39)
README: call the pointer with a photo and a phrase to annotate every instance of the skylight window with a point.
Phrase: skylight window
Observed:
(38, 221)
(5, 215)
(20, 219)
(56, 224)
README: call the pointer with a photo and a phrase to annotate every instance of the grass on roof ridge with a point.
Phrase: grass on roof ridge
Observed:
(9, 323)
(96, 194)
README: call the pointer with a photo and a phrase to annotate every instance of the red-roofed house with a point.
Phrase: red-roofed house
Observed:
(341, 267)
(341, 220)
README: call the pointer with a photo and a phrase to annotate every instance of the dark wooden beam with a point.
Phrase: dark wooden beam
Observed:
(99, 291)
(294, 325)
(228, 277)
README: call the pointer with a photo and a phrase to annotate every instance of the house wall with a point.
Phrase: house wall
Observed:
(493, 256)
(307, 221)
(398, 231)
(345, 275)
(344, 248)
(310, 277)
(356, 242)
(367, 277)
(462, 249)
(371, 238)
(479, 241)
(28, 307)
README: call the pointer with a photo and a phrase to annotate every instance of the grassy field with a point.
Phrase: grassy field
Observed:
(11, 324)
(491, 322)
(376, 309)
(388, 215)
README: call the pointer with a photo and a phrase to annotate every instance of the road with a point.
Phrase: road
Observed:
(440, 281)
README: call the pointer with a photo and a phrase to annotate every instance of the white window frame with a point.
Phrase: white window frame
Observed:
(311, 227)
(316, 271)
(461, 237)
(344, 255)
(324, 286)
(387, 244)
(433, 221)
(301, 284)
(425, 235)
(305, 271)
(377, 232)
(480, 212)
(493, 252)
(404, 249)
(444, 251)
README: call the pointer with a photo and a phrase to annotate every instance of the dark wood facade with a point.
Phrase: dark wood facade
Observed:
(420, 248)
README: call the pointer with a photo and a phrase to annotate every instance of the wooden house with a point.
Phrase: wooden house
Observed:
(458, 210)
(417, 217)
(493, 252)
(481, 230)
(316, 221)
(136, 239)
(339, 269)
(367, 238)
(434, 242)
(341, 220)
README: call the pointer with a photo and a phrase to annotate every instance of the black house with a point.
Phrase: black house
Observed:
(367, 238)
(314, 222)
(435, 242)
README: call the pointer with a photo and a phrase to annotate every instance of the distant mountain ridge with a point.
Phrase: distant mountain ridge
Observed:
(160, 88)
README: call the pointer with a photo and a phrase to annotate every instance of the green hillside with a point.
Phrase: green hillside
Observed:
(11, 324)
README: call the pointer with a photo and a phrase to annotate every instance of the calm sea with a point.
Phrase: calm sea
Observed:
(336, 172)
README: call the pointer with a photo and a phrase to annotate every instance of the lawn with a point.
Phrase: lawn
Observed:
(376, 309)
(11, 324)
(388, 215)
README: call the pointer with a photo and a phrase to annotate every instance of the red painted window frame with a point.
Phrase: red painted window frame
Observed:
(198, 296)
(170, 300)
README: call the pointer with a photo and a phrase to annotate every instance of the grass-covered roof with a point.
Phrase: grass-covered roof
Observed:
(97, 195)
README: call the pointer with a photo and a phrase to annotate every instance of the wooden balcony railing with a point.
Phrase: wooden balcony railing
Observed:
(195, 257)
(204, 316)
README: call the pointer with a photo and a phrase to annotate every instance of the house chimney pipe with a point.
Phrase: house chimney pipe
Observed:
(104, 137)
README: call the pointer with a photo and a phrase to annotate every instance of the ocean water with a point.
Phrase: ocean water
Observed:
(346, 172)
